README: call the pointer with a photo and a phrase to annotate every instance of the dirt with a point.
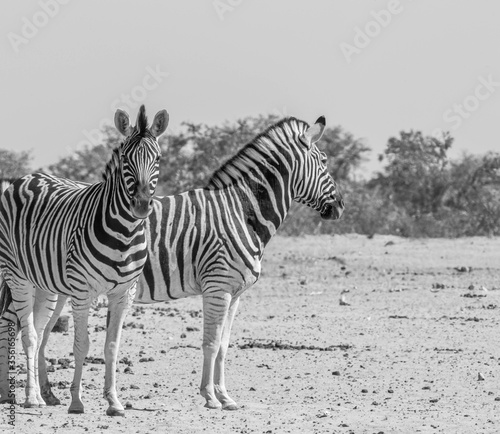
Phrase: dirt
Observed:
(342, 334)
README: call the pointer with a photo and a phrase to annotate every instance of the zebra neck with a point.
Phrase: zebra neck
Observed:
(115, 203)
(266, 204)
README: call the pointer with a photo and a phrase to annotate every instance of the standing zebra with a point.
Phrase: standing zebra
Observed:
(210, 241)
(59, 237)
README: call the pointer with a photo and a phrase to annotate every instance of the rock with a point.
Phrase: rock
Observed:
(480, 377)
(323, 413)
(342, 301)
(128, 405)
(61, 325)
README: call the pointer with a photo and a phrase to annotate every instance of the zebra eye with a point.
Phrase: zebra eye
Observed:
(125, 159)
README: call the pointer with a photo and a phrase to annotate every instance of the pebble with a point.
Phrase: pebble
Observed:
(323, 413)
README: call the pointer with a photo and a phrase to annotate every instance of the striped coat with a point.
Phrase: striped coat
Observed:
(210, 241)
(59, 238)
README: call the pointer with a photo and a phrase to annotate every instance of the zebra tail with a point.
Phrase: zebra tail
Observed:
(5, 297)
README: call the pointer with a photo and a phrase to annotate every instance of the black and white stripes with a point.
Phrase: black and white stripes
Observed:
(210, 241)
(76, 240)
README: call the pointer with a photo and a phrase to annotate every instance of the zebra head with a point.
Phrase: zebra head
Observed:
(314, 186)
(139, 156)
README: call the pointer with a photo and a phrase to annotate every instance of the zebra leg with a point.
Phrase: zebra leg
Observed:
(8, 333)
(43, 379)
(118, 306)
(219, 378)
(45, 303)
(23, 296)
(80, 350)
(215, 310)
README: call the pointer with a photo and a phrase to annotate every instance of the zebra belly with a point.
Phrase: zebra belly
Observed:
(164, 283)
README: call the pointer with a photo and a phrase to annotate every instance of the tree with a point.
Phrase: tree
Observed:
(14, 164)
(473, 196)
(416, 176)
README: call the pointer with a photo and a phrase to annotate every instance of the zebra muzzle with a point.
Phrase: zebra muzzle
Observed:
(333, 210)
(141, 206)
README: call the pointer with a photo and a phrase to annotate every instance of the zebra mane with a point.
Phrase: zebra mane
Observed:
(142, 122)
(261, 144)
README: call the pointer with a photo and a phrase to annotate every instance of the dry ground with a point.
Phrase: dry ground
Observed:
(403, 355)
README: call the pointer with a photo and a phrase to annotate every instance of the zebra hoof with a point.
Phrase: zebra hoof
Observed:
(75, 410)
(213, 404)
(50, 398)
(8, 401)
(113, 411)
(230, 406)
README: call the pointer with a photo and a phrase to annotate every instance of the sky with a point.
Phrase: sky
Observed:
(374, 67)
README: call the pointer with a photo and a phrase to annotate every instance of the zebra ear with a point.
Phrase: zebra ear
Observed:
(160, 123)
(314, 132)
(122, 122)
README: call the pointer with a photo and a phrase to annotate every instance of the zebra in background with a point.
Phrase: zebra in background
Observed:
(62, 237)
(210, 241)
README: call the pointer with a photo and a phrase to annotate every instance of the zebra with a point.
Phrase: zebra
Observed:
(61, 237)
(210, 241)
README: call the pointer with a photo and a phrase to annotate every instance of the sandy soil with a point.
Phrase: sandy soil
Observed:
(402, 353)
